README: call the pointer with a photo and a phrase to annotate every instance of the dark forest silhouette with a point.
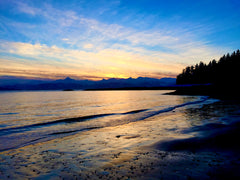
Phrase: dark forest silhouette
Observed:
(217, 78)
(226, 71)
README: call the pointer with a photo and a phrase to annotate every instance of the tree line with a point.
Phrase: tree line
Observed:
(225, 71)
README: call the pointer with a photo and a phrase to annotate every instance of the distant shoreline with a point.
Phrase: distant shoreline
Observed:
(219, 92)
(230, 92)
(131, 88)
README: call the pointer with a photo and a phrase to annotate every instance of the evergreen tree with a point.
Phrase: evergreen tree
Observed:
(225, 71)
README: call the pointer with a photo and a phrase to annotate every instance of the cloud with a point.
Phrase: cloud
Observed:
(88, 46)
(25, 8)
(107, 61)
(79, 30)
(65, 39)
(68, 42)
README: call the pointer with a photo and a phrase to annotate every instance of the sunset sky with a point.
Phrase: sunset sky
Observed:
(95, 39)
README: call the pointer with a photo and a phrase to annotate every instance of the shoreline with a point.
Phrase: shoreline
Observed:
(137, 115)
(218, 92)
(136, 150)
(129, 151)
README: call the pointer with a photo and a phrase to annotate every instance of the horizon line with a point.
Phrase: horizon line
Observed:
(75, 78)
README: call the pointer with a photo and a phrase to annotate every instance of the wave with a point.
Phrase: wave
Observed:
(149, 113)
(67, 120)
(129, 116)
(168, 109)
(47, 137)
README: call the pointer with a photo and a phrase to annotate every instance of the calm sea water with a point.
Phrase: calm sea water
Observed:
(28, 117)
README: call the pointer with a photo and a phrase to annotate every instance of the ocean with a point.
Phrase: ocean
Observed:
(117, 135)
(30, 117)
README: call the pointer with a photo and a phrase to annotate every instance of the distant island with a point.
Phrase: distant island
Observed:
(140, 83)
(217, 78)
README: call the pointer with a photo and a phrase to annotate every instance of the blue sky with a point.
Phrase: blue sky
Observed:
(90, 39)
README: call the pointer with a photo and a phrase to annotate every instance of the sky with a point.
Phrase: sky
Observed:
(96, 39)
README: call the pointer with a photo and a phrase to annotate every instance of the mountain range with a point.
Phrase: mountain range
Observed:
(16, 83)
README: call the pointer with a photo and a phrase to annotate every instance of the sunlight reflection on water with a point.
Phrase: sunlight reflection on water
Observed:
(23, 108)
(35, 115)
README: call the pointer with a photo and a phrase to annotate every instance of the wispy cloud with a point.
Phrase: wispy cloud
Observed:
(112, 61)
(25, 8)
(68, 42)
(76, 28)
(88, 46)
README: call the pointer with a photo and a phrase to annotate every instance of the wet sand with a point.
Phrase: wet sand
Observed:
(138, 150)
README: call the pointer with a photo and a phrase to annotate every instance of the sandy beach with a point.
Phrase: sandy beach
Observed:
(137, 150)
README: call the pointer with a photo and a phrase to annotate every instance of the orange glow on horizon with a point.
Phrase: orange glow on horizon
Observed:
(42, 61)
